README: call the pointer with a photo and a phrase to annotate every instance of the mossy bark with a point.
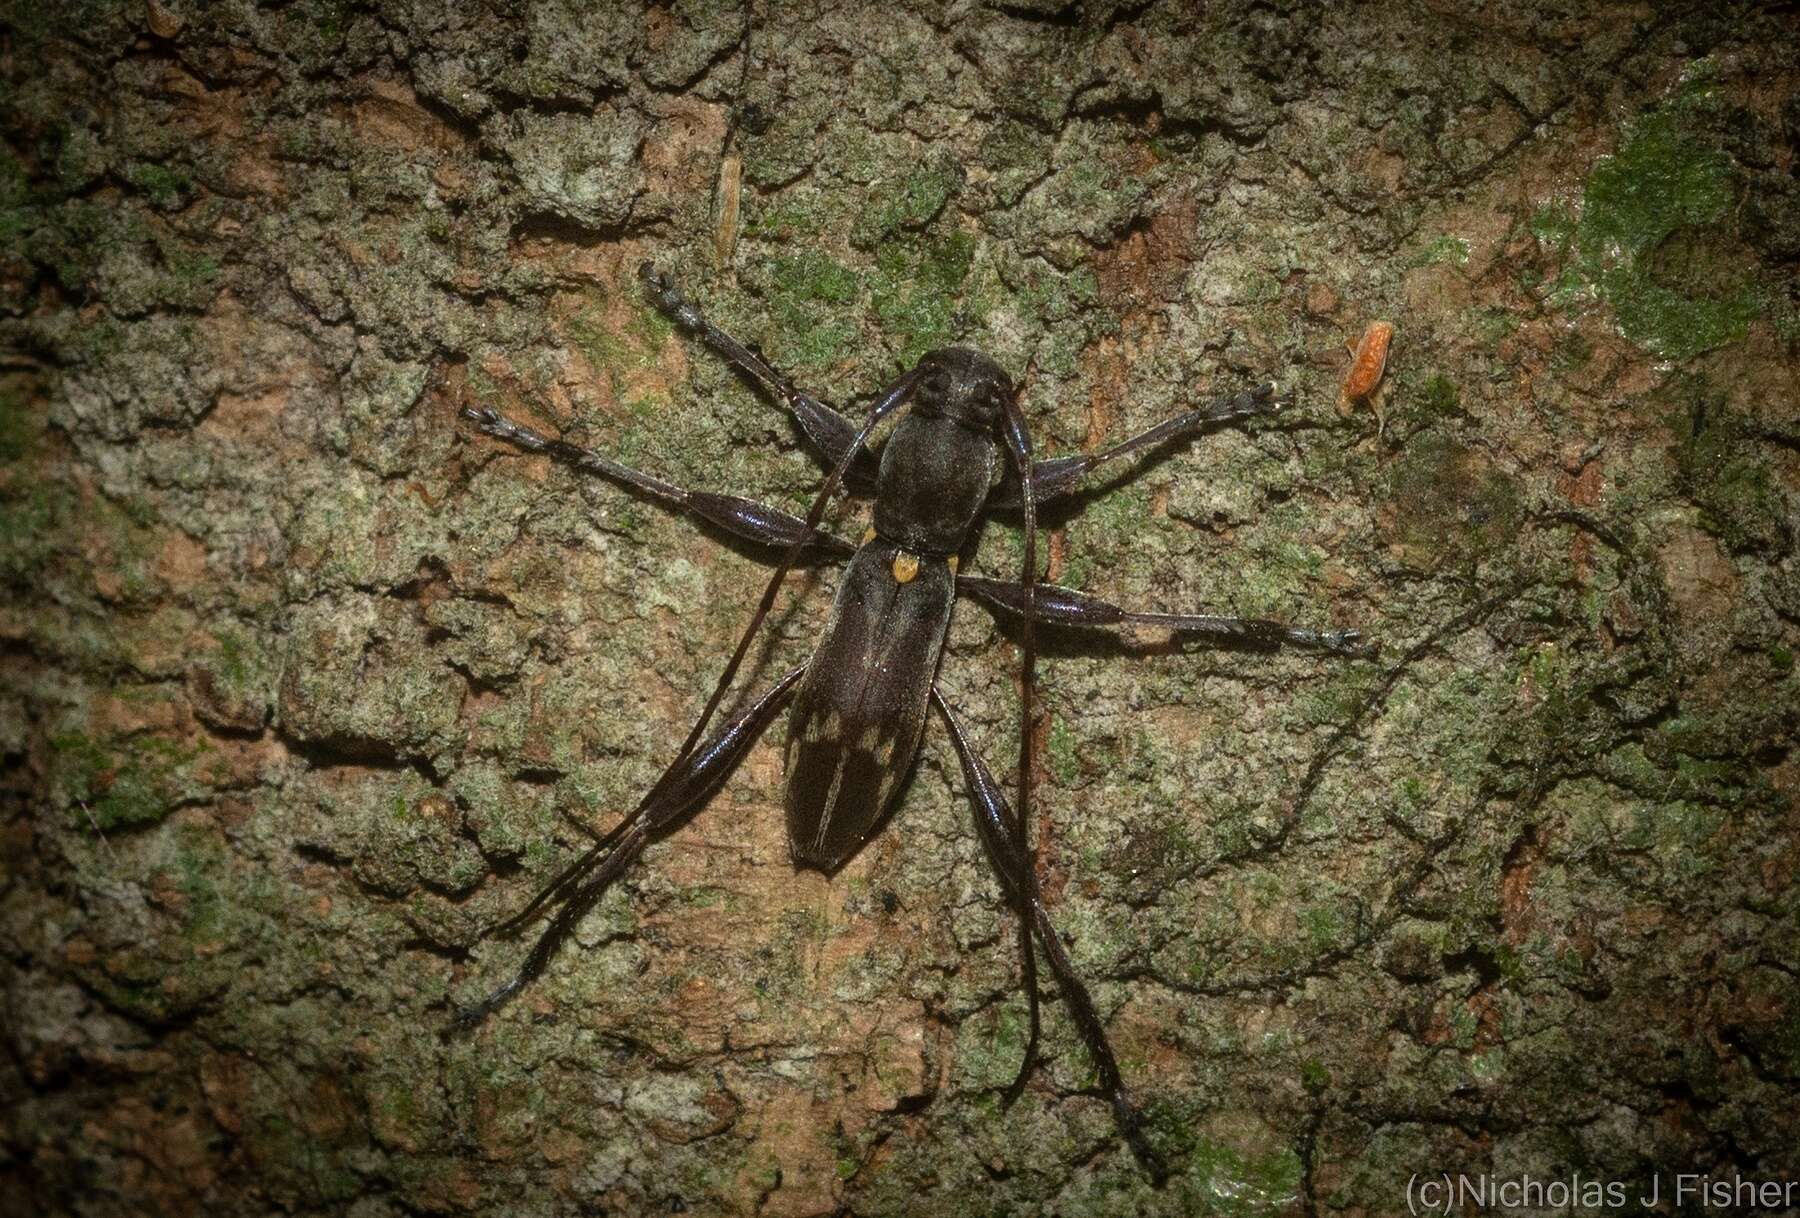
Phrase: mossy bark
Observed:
(306, 682)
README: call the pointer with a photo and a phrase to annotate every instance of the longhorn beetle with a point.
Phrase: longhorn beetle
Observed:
(860, 703)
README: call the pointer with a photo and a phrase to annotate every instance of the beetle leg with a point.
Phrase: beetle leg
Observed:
(828, 431)
(1060, 476)
(741, 517)
(683, 787)
(1059, 606)
(1012, 866)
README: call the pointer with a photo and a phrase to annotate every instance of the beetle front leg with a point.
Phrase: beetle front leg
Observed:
(1059, 606)
(683, 787)
(1013, 867)
(829, 432)
(741, 517)
(1059, 477)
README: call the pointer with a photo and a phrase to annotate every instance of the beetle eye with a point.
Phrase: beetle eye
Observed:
(937, 384)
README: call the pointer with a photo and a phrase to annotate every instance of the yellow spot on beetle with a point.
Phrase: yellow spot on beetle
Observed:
(906, 567)
(955, 562)
(869, 536)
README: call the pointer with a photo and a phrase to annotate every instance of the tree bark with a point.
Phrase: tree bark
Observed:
(307, 681)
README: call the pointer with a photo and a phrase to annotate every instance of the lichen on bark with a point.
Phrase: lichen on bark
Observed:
(306, 682)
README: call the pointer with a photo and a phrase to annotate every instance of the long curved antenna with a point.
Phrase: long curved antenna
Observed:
(689, 782)
(1018, 444)
(892, 397)
(557, 888)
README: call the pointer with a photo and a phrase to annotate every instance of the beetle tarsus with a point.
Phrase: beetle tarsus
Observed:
(670, 299)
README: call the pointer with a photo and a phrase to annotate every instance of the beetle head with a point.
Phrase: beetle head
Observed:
(964, 386)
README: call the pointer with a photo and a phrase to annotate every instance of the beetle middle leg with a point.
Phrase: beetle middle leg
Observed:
(1012, 863)
(1058, 477)
(1058, 606)
(689, 782)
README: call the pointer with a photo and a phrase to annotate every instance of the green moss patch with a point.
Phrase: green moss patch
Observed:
(1723, 472)
(1653, 238)
(125, 783)
(916, 287)
(907, 204)
(1660, 189)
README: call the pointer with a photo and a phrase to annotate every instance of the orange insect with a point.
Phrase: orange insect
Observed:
(1369, 362)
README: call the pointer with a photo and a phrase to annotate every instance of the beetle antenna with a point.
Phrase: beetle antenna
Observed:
(563, 883)
(891, 398)
(1018, 444)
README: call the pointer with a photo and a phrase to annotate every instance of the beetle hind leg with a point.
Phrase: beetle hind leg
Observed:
(1002, 841)
(688, 782)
